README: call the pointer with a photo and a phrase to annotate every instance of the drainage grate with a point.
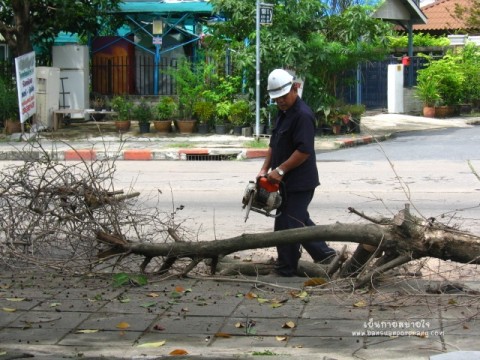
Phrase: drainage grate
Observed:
(206, 157)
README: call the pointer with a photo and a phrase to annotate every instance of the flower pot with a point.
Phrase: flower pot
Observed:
(202, 128)
(220, 129)
(12, 126)
(444, 111)
(123, 125)
(237, 130)
(429, 111)
(162, 126)
(186, 126)
(144, 127)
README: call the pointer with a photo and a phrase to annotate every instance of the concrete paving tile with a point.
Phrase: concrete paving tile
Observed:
(206, 307)
(404, 347)
(49, 320)
(334, 312)
(408, 313)
(67, 305)
(87, 293)
(11, 336)
(461, 342)
(251, 343)
(109, 321)
(460, 312)
(183, 340)
(24, 304)
(260, 326)
(252, 308)
(204, 325)
(344, 346)
(138, 306)
(9, 317)
(102, 339)
(460, 327)
(328, 328)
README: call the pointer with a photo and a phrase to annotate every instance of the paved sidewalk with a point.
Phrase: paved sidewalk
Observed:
(83, 141)
(51, 316)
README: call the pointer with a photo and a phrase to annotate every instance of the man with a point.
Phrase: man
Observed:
(291, 159)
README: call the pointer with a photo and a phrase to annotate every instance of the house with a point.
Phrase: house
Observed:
(443, 21)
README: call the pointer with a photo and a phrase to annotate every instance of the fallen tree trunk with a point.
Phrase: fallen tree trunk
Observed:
(391, 243)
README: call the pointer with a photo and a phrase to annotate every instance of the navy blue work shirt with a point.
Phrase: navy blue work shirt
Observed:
(295, 130)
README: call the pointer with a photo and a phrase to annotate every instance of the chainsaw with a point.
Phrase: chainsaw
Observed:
(262, 197)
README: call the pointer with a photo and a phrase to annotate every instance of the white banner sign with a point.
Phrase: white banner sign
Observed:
(25, 72)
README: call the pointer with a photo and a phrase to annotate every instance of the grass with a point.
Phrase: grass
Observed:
(256, 144)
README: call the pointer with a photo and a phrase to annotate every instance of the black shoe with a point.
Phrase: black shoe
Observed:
(326, 260)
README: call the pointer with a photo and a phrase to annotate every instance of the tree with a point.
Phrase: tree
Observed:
(306, 36)
(470, 14)
(27, 22)
(71, 217)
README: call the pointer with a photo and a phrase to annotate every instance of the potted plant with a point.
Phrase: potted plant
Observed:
(222, 113)
(427, 91)
(190, 84)
(124, 109)
(142, 112)
(204, 111)
(239, 114)
(163, 114)
(355, 112)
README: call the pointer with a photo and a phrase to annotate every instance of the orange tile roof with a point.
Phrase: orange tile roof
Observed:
(440, 16)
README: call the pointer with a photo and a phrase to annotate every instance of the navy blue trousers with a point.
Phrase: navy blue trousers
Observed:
(294, 214)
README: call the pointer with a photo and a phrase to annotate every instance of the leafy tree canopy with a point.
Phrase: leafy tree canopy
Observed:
(23, 22)
(470, 13)
(305, 36)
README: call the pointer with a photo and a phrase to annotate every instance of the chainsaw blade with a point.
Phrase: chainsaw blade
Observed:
(248, 206)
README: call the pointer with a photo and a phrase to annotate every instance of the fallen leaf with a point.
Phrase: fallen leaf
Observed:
(178, 352)
(124, 301)
(239, 325)
(9, 309)
(301, 295)
(315, 282)
(262, 300)
(152, 344)
(360, 303)
(158, 327)
(251, 296)
(55, 304)
(281, 338)
(222, 335)
(15, 299)
(149, 304)
(276, 305)
(87, 331)
(179, 289)
(288, 325)
(452, 302)
(123, 325)
(153, 295)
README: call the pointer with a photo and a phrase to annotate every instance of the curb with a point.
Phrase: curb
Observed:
(175, 154)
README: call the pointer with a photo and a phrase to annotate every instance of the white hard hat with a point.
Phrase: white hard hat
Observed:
(279, 83)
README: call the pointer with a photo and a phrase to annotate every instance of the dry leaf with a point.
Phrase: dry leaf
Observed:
(152, 344)
(315, 282)
(251, 296)
(262, 300)
(281, 338)
(15, 299)
(9, 309)
(123, 325)
(153, 295)
(301, 295)
(239, 325)
(360, 303)
(179, 289)
(222, 335)
(452, 302)
(87, 331)
(178, 352)
(288, 325)
(276, 305)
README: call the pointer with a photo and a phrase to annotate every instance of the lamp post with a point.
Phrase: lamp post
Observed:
(264, 13)
(157, 31)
